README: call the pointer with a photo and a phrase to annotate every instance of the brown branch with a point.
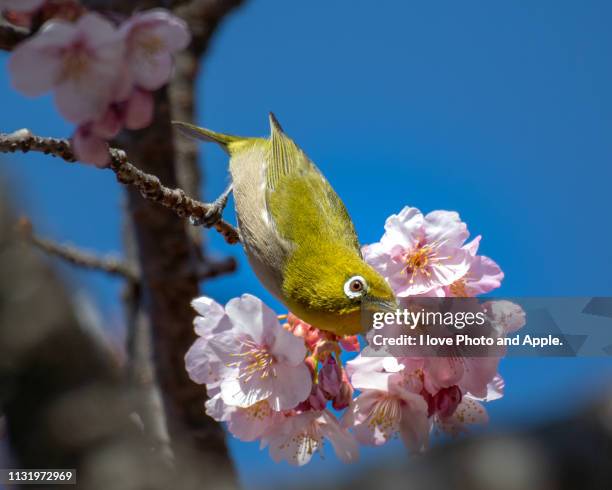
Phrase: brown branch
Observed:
(168, 259)
(11, 36)
(149, 185)
(110, 265)
(211, 268)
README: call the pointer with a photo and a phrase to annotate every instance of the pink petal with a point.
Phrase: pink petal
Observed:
(252, 317)
(344, 444)
(213, 318)
(35, 65)
(139, 110)
(472, 247)
(442, 372)
(506, 315)
(484, 276)
(445, 228)
(244, 393)
(174, 32)
(414, 428)
(218, 410)
(290, 387)
(89, 148)
(249, 424)
(151, 72)
(478, 373)
(109, 125)
(292, 442)
(404, 229)
(287, 348)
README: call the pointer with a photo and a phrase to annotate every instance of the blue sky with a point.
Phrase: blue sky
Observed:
(499, 110)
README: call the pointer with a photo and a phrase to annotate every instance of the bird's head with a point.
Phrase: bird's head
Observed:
(336, 295)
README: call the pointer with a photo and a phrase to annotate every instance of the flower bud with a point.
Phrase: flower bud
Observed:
(330, 377)
(447, 400)
(344, 396)
(317, 399)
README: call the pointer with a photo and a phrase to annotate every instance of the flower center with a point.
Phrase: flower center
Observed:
(419, 260)
(75, 63)
(386, 416)
(458, 288)
(309, 440)
(259, 411)
(256, 359)
(151, 45)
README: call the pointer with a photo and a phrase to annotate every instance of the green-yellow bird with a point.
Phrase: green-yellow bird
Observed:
(296, 232)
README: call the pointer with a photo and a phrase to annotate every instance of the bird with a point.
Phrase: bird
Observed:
(296, 232)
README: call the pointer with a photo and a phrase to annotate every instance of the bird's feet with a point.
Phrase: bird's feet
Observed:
(215, 212)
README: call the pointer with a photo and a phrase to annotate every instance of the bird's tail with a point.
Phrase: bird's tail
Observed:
(193, 131)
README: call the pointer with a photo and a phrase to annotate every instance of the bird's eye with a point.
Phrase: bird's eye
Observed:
(355, 286)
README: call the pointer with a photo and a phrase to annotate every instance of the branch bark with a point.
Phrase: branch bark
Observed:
(168, 259)
(11, 36)
(108, 264)
(149, 185)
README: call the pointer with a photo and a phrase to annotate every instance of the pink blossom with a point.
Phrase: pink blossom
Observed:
(299, 435)
(21, 5)
(247, 424)
(254, 359)
(89, 147)
(152, 38)
(418, 254)
(469, 412)
(388, 405)
(345, 393)
(330, 377)
(78, 61)
(507, 316)
(483, 275)
(444, 402)
(139, 109)
(202, 362)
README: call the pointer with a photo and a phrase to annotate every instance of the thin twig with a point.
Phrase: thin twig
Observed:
(108, 264)
(11, 36)
(149, 185)
(211, 268)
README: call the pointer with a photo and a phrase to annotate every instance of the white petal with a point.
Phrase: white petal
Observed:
(290, 386)
(288, 348)
(445, 227)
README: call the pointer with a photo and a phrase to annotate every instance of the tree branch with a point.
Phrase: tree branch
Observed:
(211, 268)
(110, 265)
(11, 36)
(149, 185)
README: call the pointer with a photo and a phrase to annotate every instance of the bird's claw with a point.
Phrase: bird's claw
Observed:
(215, 211)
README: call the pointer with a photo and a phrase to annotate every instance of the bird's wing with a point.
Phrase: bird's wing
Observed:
(300, 200)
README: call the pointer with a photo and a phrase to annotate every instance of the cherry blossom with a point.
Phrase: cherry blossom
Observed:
(482, 276)
(152, 37)
(255, 359)
(418, 254)
(247, 424)
(468, 412)
(78, 62)
(274, 383)
(389, 404)
(90, 139)
(299, 435)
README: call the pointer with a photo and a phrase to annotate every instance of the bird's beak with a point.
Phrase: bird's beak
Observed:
(373, 304)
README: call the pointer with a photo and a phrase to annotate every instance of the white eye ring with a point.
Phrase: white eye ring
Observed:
(355, 287)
